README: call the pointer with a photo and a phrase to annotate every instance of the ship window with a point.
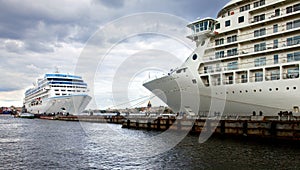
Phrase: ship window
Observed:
(295, 88)
(289, 25)
(241, 19)
(64, 94)
(195, 57)
(293, 40)
(218, 26)
(245, 8)
(289, 9)
(294, 8)
(277, 12)
(260, 47)
(232, 65)
(276, 59)
(57, 94)
(259, 18)
(232, 52)
(293, 57)
(229, 79)
(275, 28)
(63, 90)
(56, 90)
(244, 78)
(258, 76)
(258, 3)
(205, 24)
(275, 75)
(260, 61)
(227, 23)
(260, 32)
(196, 28)
(293, 73)
(219, 41)
(219, 54)
(287, 88)
(232, 39)
(275, 44)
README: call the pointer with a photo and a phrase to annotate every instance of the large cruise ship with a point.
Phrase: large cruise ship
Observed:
(57, 93)
(246, 62)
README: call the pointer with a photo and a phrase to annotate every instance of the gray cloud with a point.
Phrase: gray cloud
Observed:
(36, 36)
(110, 3)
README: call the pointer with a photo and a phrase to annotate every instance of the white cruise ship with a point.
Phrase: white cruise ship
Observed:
(246, 62)
(57, 92)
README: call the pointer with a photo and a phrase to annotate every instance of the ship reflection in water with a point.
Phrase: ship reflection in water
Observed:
(42, 144)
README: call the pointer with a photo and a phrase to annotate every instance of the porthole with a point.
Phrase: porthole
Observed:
(232, 91)
(195, 57)
(254, 90)
(287, 88)
(241, 91)
(277, 89)
(295, 88)
(270, 89)
(259, 90)
(246, 91)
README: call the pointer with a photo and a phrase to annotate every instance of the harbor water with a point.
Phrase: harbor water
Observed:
(44, 144)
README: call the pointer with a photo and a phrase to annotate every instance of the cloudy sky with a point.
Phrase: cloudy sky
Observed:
(102, 40)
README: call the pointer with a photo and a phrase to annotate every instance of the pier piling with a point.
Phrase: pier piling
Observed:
(266, 127)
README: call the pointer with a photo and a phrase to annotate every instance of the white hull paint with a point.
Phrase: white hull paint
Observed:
(240, 100)
(71, 104)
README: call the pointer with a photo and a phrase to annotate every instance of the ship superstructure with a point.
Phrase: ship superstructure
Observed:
(248, 57)
(56, 93)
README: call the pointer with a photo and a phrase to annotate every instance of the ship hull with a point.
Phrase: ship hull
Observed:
(62, 104)
(265, 98)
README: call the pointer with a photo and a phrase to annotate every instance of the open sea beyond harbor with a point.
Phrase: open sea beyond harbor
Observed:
(44, 144)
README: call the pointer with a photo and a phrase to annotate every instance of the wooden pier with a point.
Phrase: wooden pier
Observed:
(265, 128)
(83, 118)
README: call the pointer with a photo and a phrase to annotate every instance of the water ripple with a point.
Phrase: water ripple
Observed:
(44, 144)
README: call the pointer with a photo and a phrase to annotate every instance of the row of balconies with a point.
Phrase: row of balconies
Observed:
(256, 62)
(288, 72)
(255, 49)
